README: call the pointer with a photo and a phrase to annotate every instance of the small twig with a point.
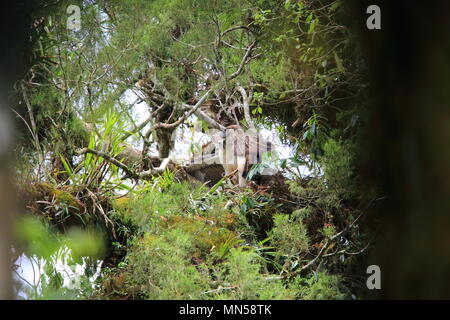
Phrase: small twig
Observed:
(33, 126)
(102, 212)
(348, 253)
(220, 289)
(330, 240)
(246, 58)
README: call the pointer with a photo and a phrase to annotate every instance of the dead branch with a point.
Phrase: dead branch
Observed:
(34, 132)
(246, 106)
(187, 115)
(247, 56)
(220, 288)
(213, 123)
(150, 173)
(99, 207)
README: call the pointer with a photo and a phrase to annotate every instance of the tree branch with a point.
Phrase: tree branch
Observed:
(187, 115)
(108, 158)
(246, 58)
(246, 106)
(129, 173)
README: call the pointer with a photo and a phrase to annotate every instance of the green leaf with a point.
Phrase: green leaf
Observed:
(66, 165)
(88, 159)
(334, 6)
(124, 187)
(339, 64)
(306, 135)
(312, 26)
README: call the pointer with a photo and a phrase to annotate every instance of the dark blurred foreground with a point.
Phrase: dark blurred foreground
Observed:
(408, 146)
(408, 140)
(15, 23)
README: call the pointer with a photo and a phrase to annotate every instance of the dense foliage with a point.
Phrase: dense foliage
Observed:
(290, 67)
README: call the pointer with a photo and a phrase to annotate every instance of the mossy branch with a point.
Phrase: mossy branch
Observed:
(129, 172)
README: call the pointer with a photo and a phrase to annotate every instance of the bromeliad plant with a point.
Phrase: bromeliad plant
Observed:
(95, 177)
(95, 171)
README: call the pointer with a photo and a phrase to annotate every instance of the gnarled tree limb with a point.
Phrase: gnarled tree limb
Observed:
(129, 172)
(246, 106)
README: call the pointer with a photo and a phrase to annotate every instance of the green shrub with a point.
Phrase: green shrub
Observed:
(160, 268)
(145, 208)
(337, 163)
(320, 286)
(241, 278)
(289, 234)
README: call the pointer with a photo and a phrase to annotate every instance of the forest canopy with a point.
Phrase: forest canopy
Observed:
(111, 113)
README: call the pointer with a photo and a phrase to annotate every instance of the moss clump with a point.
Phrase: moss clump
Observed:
(121, 203)
(62, 196)
(207, 237)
